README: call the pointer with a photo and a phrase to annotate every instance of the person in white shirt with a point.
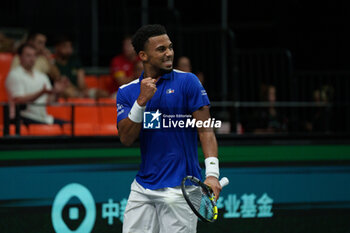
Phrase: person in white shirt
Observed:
(44, 60)
(27, 85)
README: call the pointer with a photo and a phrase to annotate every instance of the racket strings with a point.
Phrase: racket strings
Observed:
(206, 207)
(201, 201)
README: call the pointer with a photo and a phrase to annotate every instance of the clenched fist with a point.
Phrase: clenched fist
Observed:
(148, 88)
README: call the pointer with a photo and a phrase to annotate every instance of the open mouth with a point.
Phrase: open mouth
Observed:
(168, 63)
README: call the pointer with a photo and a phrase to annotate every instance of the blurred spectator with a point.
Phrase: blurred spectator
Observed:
(25, 84)
(71, 69)
(319, 118)
(122, 66)
(184, 64)
(44, 62)
(6, 44)
(267, 119)
(138, 68)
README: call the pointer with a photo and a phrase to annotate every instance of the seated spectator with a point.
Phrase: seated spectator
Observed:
(27, 85)
(122, 66)
(44, 61)
(184, 64)
(71, 69)
(319, 119)
(267, 119)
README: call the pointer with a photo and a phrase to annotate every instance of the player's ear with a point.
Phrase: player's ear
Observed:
(143, 56)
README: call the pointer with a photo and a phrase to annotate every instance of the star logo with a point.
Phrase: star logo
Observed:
(152, 120)
(156, 115)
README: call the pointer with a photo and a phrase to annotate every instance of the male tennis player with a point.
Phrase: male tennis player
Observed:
(168, 155)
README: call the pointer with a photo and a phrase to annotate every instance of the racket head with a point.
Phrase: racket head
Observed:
(200, 198)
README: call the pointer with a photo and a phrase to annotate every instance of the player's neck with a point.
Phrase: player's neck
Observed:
(151, 73)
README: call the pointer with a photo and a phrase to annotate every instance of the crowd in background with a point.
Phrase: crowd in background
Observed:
(59, 73)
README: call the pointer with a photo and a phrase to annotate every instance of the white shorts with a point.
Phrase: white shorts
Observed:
(158, 211)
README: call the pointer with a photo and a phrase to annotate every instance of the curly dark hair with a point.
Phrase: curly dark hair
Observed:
(141, 36)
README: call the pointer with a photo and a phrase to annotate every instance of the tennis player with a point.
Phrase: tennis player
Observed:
(168, 154)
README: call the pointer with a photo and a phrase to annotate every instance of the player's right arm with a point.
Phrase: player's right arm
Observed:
(128, 131)
(129, 128)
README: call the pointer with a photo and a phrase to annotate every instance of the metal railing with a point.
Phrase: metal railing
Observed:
(253, 117)
(17, 122)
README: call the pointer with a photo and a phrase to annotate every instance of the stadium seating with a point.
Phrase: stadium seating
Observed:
(3, 98)
(1, 115)
(24, 130)
(105, 82)
(63, 112)
(3, 92)
(44, 130)
(107, 117)
(81, 101)
(90, 118)
(85, 117)
(5, 63)
(91, 81)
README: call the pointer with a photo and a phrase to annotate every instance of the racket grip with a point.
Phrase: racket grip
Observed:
(224, 181)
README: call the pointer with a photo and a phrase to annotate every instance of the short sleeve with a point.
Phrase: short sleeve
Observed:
(123, 106)
(196, 94)
(14, 86)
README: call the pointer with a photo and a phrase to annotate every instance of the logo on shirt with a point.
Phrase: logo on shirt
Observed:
(151, 120)
(120, 109)
(170, 91)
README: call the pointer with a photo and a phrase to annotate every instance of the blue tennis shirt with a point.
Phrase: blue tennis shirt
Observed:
(168, 147)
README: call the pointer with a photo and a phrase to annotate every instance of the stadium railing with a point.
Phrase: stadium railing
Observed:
(85, 117)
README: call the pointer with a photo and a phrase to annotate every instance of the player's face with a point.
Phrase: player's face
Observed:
(160, 53)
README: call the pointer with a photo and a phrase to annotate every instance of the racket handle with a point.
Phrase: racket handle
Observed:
(224, 181)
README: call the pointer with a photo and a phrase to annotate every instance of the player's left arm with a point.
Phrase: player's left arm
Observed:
(210, 150)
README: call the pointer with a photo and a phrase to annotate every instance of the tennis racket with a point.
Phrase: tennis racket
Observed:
(201, 198)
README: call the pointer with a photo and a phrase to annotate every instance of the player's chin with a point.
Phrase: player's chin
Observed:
(167, 66)
(166, 70)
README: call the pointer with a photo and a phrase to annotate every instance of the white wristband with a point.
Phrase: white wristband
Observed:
(212, 167)
(136, 113)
